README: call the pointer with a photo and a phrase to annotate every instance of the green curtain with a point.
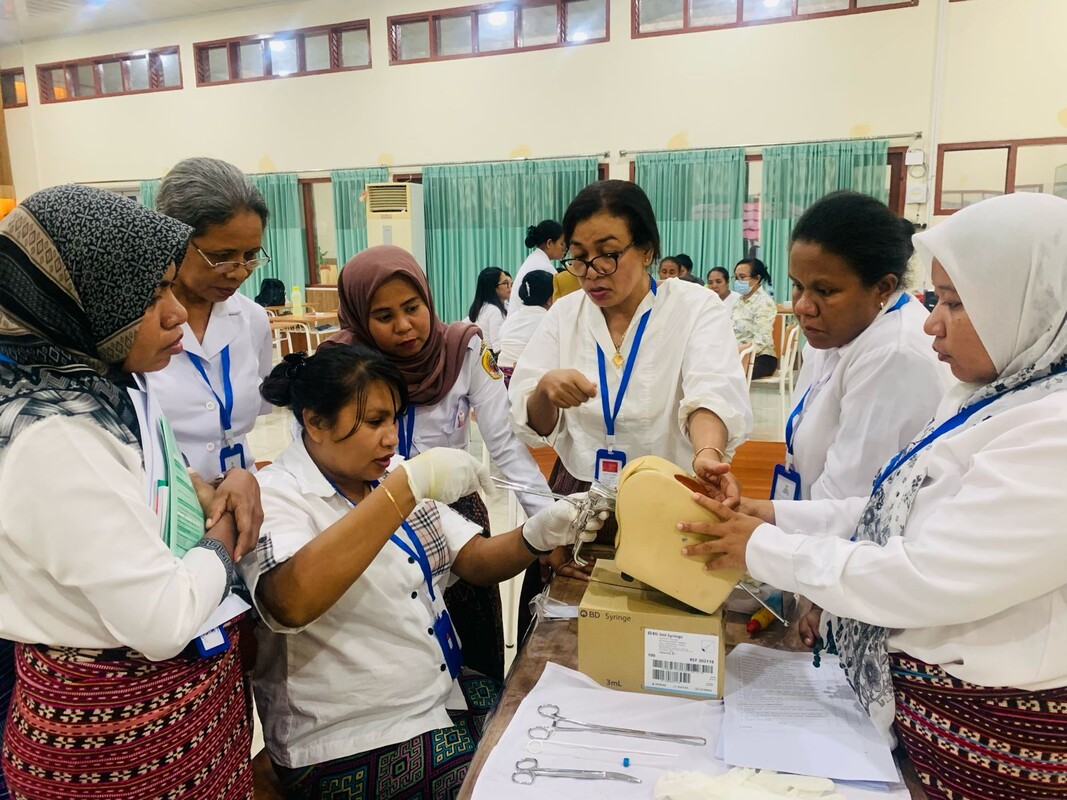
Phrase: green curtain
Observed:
(795, 176)
(149, 189)
(698, 197)
(350, 210)
(477, 215)
(283, 238)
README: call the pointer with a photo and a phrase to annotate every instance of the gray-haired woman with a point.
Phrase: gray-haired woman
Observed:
(210, 393)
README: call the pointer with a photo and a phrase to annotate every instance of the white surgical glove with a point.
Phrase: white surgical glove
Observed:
(445, 474)
(553, 527)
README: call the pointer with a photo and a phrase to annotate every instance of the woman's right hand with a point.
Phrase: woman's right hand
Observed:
(566, 388)
(808, 626)
(445, 474)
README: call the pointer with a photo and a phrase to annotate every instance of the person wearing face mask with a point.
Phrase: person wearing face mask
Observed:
(944, 590)
(385, 304)
(866, 349)
(211, 391)
(753, 316)
(359, 669)
(111, 697)
(719, 282)
(546, 242)
(628, 368)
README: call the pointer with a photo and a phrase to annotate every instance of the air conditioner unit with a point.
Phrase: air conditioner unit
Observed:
(394, 216)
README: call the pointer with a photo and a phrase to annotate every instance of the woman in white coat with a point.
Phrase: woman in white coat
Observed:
(948, 601)
(385, 304)
(866, 349)
(210, 392)
(490, 309)
(546, 240)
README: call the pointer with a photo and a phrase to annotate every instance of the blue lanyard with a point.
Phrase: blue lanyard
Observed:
(406, 433)
(610, 415)
(225, 408)
(964, 414)
(416, 551)
(6, 360)
(793, 420)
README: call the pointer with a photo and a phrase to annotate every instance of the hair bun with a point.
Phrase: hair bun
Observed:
(294, 364)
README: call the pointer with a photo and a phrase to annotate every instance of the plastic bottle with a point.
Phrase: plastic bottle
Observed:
(298, 301)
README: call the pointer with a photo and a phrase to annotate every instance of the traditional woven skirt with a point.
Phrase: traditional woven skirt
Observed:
(7, 682)
(430, 766)
(475, 610)
(112, 725)
(972, 742)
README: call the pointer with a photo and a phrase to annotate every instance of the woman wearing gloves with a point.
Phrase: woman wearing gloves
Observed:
(357, 549)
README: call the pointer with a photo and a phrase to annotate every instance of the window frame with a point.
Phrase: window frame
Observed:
(233, 46)
(17, 71)
(433, 18)
(46, 90)
(741, 22)
(1011, 145)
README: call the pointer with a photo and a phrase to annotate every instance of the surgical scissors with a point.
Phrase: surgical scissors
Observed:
(526, 770)
(551, 711)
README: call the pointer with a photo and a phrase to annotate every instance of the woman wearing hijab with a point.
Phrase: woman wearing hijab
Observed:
(105, 615)
(385, 304)
(947, 603)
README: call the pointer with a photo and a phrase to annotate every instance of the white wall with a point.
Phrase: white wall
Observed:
(844, 76)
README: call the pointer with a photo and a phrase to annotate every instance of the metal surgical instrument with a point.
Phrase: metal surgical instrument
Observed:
(526, 770)
(560, 723)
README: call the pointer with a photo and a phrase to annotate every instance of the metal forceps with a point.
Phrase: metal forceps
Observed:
(526, 770)
(559, 723)
(519, 488)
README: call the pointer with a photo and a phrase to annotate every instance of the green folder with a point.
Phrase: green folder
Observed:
(183, 519)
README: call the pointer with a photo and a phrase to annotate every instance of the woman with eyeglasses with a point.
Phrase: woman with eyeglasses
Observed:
(210, 392)
(627, 368)
(490, 305)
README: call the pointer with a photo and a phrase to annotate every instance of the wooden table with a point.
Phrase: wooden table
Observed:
(557, 640)
(299, 338)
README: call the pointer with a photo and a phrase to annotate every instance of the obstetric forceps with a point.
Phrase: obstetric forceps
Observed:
(551, 711)
(527, 770)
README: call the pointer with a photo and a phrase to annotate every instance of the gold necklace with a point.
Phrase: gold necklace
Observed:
(617, 359)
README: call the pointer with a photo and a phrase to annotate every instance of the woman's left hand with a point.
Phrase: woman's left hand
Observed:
(717, 476)
(731, 535)
(238, 492)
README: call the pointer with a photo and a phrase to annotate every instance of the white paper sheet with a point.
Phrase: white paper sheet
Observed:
(578, 697)
(784, 714)
(229, 608)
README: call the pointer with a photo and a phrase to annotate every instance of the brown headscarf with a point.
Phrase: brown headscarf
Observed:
(431, 373)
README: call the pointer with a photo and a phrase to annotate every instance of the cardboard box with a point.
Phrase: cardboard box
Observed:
(635, 638)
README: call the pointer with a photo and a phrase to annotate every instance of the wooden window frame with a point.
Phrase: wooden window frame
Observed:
(433, 19)
(17, 71)
(741, 22)
(155, 74)
(1011, 145)
(233, 49)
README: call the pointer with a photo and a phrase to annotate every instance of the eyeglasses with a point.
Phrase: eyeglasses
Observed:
(229, 266)
(603, 264)
(504, 282)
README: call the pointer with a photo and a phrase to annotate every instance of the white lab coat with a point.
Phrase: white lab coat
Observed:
(976, 583)
(191, 406)
(537, 260)
(515, 334)
(490, 321)
(868, 399)
(688, 360)
(480, 388)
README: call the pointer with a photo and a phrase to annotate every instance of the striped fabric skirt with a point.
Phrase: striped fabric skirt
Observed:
(475, 610)
(430, 766)
(7, 682)
(972, 742)
(112, 725)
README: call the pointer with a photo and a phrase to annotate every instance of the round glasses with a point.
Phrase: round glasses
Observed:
(229, 266)
(603, 264)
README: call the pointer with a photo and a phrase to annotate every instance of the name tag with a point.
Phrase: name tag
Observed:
(786, 483)
(609, 464)
(447, 638)
(232, 457)
(212, 643)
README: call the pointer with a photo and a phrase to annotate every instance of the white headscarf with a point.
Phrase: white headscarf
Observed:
(1007, 258)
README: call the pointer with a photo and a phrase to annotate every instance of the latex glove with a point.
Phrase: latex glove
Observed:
(445, 474)
(553, 527)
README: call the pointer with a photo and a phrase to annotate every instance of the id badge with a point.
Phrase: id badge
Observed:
(609, 464)
(232, 457)
(786, 483)
(447, 638)
(212, 643)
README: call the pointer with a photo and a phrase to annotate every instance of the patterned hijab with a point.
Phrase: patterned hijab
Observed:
(431, 373)
(1007, 258)
(78, 268)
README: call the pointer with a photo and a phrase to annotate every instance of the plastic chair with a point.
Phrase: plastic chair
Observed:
(282, 334)
(783, 376)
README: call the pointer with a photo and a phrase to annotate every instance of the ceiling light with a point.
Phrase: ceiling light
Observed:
(497, 18)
